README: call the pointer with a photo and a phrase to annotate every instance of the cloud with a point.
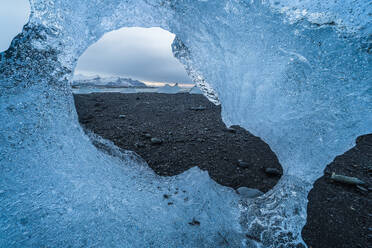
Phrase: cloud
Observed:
(141, 53)
(13, 15)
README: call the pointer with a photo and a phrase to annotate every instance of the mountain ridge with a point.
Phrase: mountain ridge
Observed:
(110, 82)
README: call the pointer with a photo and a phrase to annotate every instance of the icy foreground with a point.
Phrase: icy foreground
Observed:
(295, 73)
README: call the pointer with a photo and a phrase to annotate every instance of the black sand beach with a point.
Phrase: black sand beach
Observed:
(174, 132)
(339, 215)
(192, 134)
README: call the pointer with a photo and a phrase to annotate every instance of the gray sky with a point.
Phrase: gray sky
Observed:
(13, 15)
(139, 53)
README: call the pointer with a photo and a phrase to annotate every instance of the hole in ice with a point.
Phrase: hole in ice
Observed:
(13, 15)
(139, 53)
(173, 127)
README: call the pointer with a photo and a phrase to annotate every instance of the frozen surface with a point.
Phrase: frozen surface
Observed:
(296, 73)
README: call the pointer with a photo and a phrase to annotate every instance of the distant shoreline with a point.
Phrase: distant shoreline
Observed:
(111, 87)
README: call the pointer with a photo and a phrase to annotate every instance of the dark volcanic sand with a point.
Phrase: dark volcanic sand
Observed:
(339, 216)
(190, 137)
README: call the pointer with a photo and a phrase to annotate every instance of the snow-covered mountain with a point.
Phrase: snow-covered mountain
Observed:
(112, 82)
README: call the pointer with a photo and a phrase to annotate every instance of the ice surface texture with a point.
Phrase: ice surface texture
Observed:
(296, 73)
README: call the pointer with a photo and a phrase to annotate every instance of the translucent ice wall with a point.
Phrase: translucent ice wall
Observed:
(296, 73)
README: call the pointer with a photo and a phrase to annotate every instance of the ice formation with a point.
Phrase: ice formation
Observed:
(296, 73)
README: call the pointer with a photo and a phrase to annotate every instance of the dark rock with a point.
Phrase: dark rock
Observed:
(242, 164)
(166, 196)
(273, 172)
(231, 130)
(346, 180)
(156, 141)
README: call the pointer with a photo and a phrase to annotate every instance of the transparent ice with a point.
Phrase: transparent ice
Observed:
(295, 73)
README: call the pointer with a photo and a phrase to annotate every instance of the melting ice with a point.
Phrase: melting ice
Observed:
(295, 73)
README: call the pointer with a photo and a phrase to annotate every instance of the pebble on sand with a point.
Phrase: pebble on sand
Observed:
(347, 180)
(231, 130)
(243, 164)
(156, 141)
(272, 172)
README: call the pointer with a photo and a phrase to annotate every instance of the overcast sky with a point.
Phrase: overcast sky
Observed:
(13, 15)
(140, 53)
